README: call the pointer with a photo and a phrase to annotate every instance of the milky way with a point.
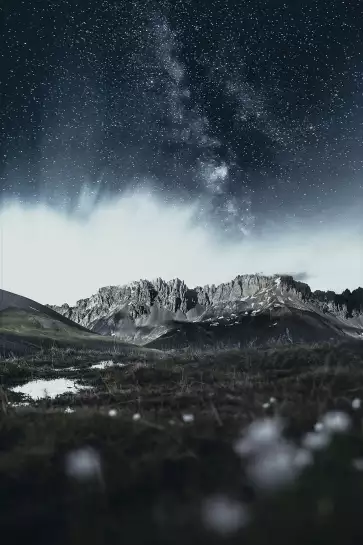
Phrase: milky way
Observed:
(250, 112)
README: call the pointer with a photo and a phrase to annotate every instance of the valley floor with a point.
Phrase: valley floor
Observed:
(136, 451)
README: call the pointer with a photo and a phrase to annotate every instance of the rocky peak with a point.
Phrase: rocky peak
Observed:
(175, 300)
(347, 303)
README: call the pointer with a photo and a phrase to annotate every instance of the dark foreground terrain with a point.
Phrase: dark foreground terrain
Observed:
(163, 451)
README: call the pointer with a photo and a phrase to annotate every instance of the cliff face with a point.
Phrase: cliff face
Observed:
(153, 302)
(347, 303)
(137, 299)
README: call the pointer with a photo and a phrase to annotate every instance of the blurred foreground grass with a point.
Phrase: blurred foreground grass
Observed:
(158, 472)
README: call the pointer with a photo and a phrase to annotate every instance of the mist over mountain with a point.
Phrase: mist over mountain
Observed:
(135, 236)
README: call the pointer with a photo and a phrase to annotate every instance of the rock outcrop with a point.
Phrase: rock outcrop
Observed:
(151, 303)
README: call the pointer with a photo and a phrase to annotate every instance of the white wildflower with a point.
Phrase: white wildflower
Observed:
(336, 421)
(223, 515)
(358, 464)
(303, 458)
(316, 440)
(274, 467)
(356, 403)
(260, 434)
(271, 460)
(83, 464)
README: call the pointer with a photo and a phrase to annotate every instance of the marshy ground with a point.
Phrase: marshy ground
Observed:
(152, 451)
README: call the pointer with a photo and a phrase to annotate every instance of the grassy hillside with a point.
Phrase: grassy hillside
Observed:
(28, 331)
(165, 466)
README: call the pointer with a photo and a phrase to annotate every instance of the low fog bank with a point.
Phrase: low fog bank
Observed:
(55, 257)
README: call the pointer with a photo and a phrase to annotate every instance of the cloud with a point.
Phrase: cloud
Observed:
(299, 276)
(55, 257)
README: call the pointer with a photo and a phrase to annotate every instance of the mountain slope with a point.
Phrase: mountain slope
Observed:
(27, 326)
(265, 308)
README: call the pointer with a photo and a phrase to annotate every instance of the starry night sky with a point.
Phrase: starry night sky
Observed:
(252, 108)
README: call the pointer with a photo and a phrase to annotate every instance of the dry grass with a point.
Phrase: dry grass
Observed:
(158, 471)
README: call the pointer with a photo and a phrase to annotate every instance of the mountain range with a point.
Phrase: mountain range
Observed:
(248, 309)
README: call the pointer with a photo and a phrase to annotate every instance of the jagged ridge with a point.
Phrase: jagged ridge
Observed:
(151, 303)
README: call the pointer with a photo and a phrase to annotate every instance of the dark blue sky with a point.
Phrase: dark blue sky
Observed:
(254, 106)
